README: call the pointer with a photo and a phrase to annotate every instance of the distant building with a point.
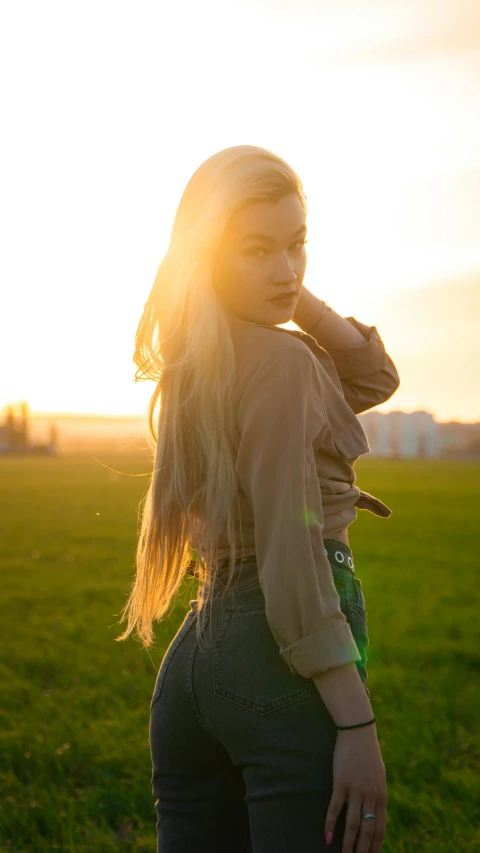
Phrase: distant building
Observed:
(15, 434)
(418, 435)
(398, 434)
(460, 441)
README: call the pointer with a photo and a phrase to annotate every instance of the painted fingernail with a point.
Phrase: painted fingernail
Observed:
(329, 837)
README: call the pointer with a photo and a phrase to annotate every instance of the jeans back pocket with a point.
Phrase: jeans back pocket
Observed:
(248, 668)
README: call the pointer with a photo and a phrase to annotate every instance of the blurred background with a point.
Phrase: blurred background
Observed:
(107, 109)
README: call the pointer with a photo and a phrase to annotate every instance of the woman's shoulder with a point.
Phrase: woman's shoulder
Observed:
(255, 343)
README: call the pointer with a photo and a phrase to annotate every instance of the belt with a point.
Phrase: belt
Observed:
(339, 554)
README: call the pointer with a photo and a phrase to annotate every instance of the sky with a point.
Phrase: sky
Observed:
(108, 108)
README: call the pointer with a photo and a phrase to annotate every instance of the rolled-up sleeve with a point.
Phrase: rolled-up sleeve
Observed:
(280, 415)
(367, 373)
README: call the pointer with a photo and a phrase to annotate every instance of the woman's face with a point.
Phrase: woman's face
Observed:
(262, 256)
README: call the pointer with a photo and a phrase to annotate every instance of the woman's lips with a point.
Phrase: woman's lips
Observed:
(283, 300)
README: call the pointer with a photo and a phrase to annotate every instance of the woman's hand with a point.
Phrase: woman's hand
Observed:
(359, 778)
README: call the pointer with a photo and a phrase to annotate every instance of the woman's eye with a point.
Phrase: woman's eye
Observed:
(254, 251)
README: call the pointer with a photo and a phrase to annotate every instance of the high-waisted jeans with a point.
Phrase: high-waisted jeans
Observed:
(241, 748)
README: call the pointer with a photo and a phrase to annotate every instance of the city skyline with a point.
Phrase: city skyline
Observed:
(393, 434)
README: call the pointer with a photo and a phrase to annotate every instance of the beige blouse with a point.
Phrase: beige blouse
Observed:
(297, 439)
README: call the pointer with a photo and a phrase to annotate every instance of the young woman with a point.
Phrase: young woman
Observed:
(262, 733)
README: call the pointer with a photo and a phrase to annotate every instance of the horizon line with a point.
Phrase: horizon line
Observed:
(144, 416)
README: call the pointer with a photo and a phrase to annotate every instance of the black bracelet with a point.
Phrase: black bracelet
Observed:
(359, 725)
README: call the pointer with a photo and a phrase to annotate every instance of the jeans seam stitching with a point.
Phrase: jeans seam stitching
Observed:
(168, 657)
(191, 696)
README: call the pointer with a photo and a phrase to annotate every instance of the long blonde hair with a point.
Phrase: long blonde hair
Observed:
(183, 343)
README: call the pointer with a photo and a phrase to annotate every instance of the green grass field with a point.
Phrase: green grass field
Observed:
(74, 758)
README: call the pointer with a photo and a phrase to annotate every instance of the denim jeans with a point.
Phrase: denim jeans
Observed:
(241, 748)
